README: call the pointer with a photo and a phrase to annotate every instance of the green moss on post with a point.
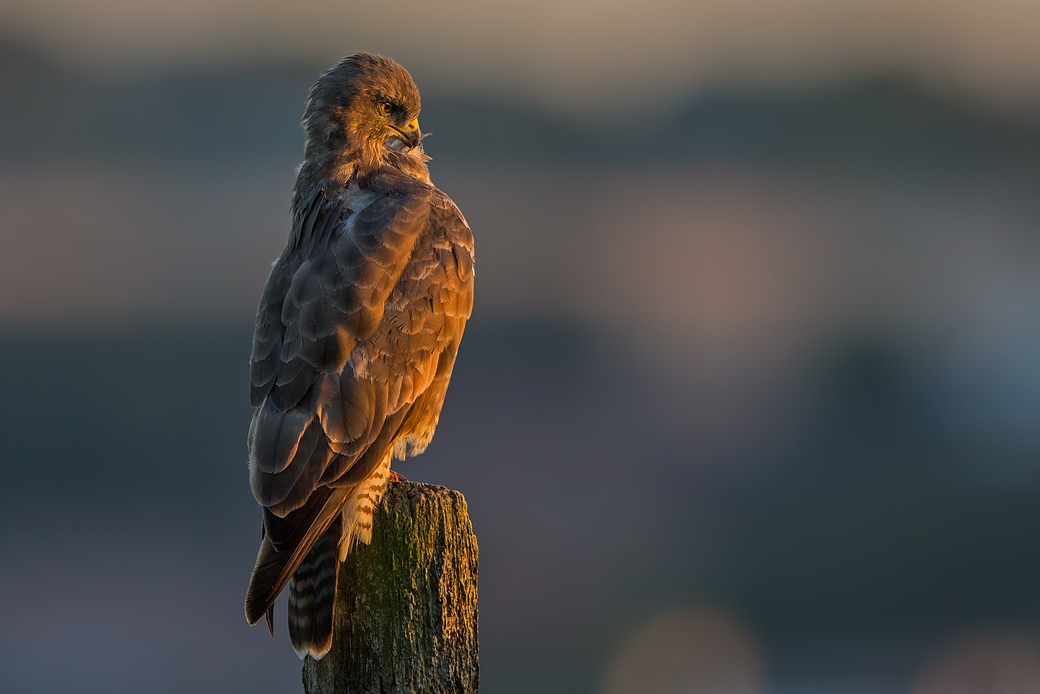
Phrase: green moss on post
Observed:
(406, 605)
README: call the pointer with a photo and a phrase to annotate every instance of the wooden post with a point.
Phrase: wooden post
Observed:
(406, 605)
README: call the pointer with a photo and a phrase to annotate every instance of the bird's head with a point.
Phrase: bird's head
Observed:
(363, 113)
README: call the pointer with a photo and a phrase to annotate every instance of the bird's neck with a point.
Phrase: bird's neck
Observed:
(341, 168)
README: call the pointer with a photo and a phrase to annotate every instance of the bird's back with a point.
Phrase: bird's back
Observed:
(354, 347)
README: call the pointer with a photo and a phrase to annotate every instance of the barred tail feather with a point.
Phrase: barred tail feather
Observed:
(312, 589)
(312, 596)
(296, 533)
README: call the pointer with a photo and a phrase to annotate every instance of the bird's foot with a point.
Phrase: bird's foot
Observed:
(395, 476)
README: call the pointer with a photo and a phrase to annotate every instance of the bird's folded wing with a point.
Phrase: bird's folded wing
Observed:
(335, 396)
(326, 293)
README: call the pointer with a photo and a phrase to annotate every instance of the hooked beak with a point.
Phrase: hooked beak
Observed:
(409, 134)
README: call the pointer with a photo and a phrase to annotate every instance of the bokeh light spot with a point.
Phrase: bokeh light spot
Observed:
(688, 651)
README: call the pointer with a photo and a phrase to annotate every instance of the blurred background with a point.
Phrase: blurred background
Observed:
(757, 289)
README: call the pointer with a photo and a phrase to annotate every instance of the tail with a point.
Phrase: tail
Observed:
(312, 595)
(286, 544)
(312, 589)
(303, 550)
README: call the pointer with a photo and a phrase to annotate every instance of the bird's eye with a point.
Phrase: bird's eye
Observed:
(385, 107)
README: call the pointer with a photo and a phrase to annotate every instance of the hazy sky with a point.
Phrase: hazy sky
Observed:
(566, 52)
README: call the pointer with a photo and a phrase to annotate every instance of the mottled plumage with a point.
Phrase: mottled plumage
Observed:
(355, 338)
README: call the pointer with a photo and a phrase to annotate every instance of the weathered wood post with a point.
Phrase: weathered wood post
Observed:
(406, 605)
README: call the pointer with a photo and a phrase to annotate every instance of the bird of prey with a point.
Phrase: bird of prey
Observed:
(355, 340)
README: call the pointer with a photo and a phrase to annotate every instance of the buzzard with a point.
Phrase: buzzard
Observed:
(355, 339)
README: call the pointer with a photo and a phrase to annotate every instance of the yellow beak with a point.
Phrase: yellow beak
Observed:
(410, 134)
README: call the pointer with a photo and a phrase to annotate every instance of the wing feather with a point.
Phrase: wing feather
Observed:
(274, 436)
(355, 338)
(273, 489)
